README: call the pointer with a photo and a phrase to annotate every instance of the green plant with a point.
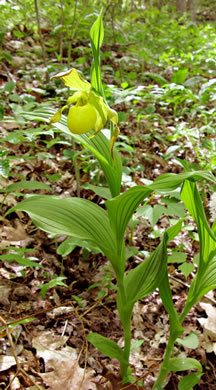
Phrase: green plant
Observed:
(18, 255)
(22, 185)
(88, 222)
(55, 281)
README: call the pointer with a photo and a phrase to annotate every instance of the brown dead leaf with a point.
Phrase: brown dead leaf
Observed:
(16, 235)
(209, 323)
(48, 347)
(6, 362)
(5, 290)
(68, 375)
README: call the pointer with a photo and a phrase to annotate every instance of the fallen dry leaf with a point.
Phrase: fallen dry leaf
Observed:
(6, 362)
(47, 346)
(209, 323)
(68, 375)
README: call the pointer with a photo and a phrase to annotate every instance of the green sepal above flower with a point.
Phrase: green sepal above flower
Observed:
(89, 110)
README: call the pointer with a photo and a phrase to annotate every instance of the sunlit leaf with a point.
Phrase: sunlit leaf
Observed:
(190, 341)
(182, 364)
(96, 38)
(171, 181)
(73, 217)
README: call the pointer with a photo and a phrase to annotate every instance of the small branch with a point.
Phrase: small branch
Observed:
(39, 32)
(19, 368)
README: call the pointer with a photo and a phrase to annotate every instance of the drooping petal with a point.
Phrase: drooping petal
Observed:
(113, 140)
(57, 116)
(112, 115)
(73, 80)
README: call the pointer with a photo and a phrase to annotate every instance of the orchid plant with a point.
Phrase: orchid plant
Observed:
(85, 220)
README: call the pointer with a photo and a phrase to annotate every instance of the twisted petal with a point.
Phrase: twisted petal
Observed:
(73, 80)
(57, 116)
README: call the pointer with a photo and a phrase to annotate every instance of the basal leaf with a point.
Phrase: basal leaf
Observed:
(165, 291)
(68, 245)
(106, 346)
(73, 217)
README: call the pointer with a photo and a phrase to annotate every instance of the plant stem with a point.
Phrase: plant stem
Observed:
(127, 345)
(76, 168)
(164, 370)
(3, 200)
(125, 317)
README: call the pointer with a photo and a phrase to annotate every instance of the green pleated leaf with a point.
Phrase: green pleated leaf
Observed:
(98, 145)
(171, 181)
(121, 208)
(73, 217)
(28, 185)
(96, 38)
(165, 292)
(146, 277)
(106, 346)
(182, 364)
(176, 329)
(68, 245)
(205, 279)
(189, 381)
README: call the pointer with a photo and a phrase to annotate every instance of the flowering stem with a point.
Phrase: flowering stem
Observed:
(76, 168)
(164, 370)
(126, 324)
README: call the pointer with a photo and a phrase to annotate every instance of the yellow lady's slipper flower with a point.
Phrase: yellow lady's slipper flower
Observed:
(89, 111)
(81, 119)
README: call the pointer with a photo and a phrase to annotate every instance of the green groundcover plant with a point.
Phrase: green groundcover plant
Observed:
(105, 229)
